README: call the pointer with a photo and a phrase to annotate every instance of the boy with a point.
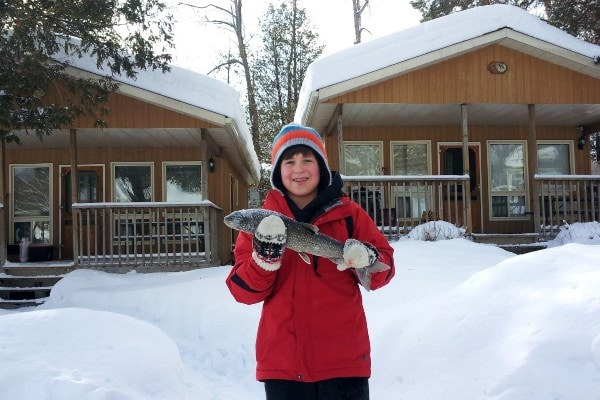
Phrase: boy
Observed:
(312, 341)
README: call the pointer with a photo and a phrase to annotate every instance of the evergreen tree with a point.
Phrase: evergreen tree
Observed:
(431, 9)
(289, 46)
(38, 37)
(580, 18)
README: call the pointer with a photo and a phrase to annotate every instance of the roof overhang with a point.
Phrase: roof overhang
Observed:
(318, 113)
(225, 131)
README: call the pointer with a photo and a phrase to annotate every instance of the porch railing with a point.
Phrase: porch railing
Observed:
(399, 203)
(566, 199)
(146, 236)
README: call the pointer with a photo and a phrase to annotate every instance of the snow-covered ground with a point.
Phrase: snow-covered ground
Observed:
(459, 321)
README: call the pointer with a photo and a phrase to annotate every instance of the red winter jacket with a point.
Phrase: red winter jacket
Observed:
(313, 325)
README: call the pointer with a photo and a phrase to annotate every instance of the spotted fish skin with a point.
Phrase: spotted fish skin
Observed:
(302, 238)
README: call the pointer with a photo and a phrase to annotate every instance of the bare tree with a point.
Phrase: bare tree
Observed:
(232, 20)
(358, 9)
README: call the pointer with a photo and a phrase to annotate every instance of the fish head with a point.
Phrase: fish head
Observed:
(244, 220)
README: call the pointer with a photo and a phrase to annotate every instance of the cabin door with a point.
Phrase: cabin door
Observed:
(451, 163)
(91, 190)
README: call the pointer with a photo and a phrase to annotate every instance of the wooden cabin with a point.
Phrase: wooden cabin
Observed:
(481, 118)
(151, 188)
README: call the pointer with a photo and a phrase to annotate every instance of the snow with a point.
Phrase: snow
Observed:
(185, 86)
(459, 321)
(427, 37)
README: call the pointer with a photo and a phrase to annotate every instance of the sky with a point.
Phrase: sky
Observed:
(459, 321)
(331, 19)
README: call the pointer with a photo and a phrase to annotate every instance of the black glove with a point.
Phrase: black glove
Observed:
(269, 243)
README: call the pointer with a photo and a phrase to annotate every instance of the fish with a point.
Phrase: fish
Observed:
(302, 238)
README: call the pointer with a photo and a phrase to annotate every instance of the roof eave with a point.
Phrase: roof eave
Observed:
(505, 36)
(158, 99)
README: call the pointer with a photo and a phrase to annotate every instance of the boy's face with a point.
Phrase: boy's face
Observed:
(300, 176)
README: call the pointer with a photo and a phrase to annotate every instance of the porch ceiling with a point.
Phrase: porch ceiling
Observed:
(449, 114)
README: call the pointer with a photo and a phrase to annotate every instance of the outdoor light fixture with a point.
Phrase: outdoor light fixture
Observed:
(581, 141)
(211, 164)
(497, 67)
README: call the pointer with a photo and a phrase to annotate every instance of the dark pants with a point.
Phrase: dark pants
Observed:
(330, 389)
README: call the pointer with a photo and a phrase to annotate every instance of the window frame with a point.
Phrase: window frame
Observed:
(561, 142)
(113, 165)
(410, 202)
(427, 143)
(524, 192)
(31, 219)
(378, 143)
(166, 164)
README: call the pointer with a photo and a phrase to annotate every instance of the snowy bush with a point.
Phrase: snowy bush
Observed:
(579, 232)
(434, 231)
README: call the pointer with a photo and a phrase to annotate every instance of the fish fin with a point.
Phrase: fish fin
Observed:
(364, 274)
(304, 257)
(378, 267)
(364, 278)
(310, 227)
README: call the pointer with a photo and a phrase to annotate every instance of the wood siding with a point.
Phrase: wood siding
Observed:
(465, 79)
(218, 182)
(127, 112)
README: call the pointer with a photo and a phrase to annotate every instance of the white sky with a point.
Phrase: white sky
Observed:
(459, 321)
(198, 44)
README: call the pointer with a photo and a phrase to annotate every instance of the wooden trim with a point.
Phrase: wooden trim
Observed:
(74, 188)
(532, 159)
(333, 123)
(466, 166)
(3, 211)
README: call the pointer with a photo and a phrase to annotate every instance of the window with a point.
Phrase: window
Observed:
(132, 182)
(410, 158)
(31, 203)
(507, 179)
(363, 158)
(182, 182)
(554, 158)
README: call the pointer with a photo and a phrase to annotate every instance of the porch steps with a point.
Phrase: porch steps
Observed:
(518, 243)
(25, 285)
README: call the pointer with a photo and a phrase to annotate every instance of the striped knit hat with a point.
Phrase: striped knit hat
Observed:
(292, 135)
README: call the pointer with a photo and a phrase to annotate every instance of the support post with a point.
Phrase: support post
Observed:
(534, 201)
(466, 167)
(74, 193)
(3, 230)
(340, 142)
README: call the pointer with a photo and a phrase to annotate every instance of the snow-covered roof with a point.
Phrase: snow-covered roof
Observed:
(194, 93)
(430, 36)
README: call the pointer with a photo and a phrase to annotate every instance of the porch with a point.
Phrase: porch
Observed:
(146, 237)
(159, 236)
(399, 203)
